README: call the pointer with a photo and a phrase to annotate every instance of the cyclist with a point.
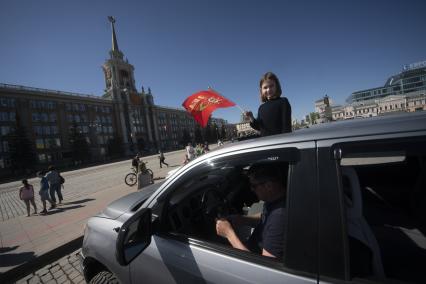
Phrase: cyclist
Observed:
(142, 166)
(135, 163)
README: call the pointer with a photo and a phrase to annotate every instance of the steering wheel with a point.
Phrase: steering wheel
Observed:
(214, 204)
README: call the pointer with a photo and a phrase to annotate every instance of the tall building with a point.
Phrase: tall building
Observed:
(411, 79)
(123, 118)
(404, 92)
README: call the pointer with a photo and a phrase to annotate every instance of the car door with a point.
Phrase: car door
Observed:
(179, 253)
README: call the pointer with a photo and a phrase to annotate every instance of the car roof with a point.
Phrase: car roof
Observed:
(387, 124)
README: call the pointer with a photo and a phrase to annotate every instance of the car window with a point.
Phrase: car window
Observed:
(384, 186)
(219, 188)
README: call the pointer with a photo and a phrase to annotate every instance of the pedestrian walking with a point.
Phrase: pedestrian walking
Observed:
(190, 152)
(54, 180)
(26, 193)
(44, 192)
(162, 159)
(206, 147)
(274, 114)
(199, 150)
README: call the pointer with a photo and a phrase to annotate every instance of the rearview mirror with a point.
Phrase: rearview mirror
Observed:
(134, 236)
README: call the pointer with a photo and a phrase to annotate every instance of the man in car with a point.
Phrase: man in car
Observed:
(267, 239)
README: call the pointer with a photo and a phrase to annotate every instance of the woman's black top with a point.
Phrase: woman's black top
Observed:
(273, 117)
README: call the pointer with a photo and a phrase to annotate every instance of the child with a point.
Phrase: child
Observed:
(26, 193)
(274, 114)
(44, 192)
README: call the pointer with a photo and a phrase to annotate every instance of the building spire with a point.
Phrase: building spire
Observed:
(114, 37)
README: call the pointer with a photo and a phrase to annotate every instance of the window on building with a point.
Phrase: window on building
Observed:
(4, 116)
(52, 117)
(46, 130)
(39, 143)
(5, 146)
(12, 116)
(42, 158)
(35, 116)
(44, 117)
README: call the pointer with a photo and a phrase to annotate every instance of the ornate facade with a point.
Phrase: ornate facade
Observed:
(123, 113)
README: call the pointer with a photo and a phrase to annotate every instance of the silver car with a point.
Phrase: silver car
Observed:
(355, 212)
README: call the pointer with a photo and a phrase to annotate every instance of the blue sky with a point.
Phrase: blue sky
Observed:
(180, 47)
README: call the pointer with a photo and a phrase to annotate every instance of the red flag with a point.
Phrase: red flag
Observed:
(200, 105)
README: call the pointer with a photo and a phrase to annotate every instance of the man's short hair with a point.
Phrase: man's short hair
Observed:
(269, 172)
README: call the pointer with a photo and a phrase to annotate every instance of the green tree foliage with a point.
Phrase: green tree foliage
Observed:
(21, 149)
(313, 116)
(79, 147)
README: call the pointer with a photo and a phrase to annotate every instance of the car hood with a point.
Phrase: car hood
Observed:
(130, 202)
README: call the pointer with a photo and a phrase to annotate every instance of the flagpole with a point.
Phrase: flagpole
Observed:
(242, 111)
(210, 88)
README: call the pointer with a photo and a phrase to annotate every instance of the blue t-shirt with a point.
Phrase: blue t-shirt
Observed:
(44, 184)
(269, 233)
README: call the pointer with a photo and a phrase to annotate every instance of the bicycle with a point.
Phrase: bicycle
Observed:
(131, 178)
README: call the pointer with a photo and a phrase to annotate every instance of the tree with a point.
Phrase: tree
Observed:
(313, 116)
(22, 153)
(115, 147)
(79, 147)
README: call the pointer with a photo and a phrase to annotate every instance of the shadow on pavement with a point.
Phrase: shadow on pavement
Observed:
(62, 209)
(12, 259)
(78, 201)
(6, 249)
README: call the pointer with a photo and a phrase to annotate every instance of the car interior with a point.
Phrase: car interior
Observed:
(195, 205)
(218, 190)
(386, 213)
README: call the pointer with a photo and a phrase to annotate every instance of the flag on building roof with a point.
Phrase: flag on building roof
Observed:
(201, 104)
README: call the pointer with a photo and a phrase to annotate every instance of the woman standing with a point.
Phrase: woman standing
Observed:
(26, 193)
(274, 114)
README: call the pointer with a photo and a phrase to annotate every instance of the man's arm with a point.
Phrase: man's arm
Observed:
(267, 253)
(224, 229)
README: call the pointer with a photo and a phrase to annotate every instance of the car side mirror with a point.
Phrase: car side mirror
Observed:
(134, 236)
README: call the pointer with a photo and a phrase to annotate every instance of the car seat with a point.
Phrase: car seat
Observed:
(357, 226)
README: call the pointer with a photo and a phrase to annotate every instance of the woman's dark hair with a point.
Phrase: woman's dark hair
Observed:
(25, 182)
(273, 77)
